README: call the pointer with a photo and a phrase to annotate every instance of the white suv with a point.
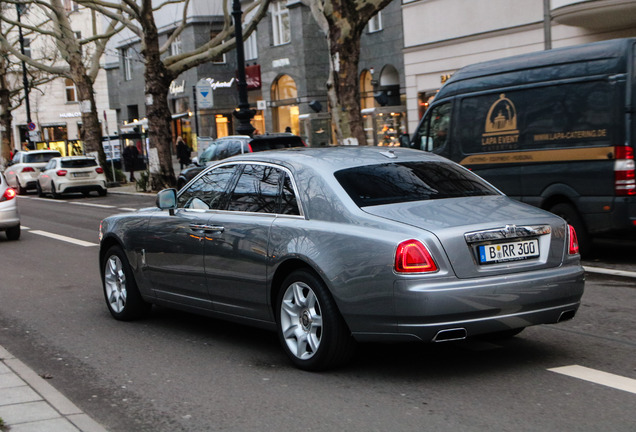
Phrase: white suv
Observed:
(23, 172)
(71, 174)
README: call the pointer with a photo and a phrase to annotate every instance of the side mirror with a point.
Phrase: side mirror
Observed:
(167, 200)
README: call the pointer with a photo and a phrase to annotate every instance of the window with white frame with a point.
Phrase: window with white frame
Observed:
(127, 57)
(71, 91)
(220, 59)
(375, 23)
(280, 22)
(251, 47)
(175, 46)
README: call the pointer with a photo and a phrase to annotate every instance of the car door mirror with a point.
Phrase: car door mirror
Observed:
(167, 200)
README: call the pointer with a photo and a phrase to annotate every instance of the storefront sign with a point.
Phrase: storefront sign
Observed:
(253, 77)
(220, 84)
(71, 114)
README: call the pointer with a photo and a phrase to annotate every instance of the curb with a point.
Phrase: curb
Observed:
(29, 403)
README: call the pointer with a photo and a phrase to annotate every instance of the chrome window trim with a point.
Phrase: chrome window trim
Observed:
(243, 162)
(507, 232)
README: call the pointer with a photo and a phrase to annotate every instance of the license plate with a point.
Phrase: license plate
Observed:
(81, 174)
(504, 252)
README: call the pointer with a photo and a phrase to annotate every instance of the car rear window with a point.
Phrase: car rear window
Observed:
(39, 157)
(410, 181)
(276, 143)
(78, 163)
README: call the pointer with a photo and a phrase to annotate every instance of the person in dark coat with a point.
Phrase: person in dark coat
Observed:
(183, 153)
(130, 154)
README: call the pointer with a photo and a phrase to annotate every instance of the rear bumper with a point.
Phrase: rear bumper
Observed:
(424, 308)
(74, 187)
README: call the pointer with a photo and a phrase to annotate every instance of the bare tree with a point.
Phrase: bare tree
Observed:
(343, 22)
(161, 68)
(81, 57)
(11, 85)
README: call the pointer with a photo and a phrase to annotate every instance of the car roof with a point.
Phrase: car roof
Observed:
(331, 159)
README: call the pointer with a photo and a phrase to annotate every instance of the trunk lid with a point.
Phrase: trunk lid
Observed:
(466, 227)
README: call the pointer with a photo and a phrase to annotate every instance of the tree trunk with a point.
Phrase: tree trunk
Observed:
(344, 90)
(91, 133)
(5, 117)
(158, 79)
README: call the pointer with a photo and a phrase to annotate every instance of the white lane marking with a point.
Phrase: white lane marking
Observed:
(92, 204)
(612, 272)
(24, 227)
(127, 209)
(63, 238)
(598, 377)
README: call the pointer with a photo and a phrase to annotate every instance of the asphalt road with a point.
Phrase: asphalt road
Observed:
(175, 371)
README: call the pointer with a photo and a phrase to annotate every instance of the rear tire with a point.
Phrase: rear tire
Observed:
(571, 216)
(310, 328)
(54, 193)
(21, 190)
(102, 192)
(13, 233)
(120, 288)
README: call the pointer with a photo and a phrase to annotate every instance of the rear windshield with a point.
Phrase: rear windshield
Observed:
(39, 157)
(276, 143)
(78, 163)
(410, 181)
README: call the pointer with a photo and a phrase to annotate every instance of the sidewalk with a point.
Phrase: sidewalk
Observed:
(131, 187)
(28, 403)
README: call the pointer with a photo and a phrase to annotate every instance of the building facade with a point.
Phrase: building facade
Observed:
(55, 107)
(287, 69)
(462, 32)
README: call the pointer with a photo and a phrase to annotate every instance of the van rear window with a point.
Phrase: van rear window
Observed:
(410, 181)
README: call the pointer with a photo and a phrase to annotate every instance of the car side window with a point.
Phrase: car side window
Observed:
(209, 191)
(289, 203)
(257, 190)
(433, 132)
(50, 165)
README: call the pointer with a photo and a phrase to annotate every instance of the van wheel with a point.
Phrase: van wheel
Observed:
(571, 216)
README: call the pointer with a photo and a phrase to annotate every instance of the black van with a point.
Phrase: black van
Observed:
(555, 129)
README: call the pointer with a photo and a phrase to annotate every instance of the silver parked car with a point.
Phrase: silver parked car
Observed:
(336, 245)
(9, 216)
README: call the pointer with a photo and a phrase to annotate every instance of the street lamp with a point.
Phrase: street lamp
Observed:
(25, 81)
(244, 114)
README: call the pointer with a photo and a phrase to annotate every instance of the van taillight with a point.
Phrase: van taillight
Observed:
(412, 256)
(573, 247)
(624, 171)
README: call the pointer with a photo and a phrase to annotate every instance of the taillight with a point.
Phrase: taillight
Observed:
(61, 173)
(8, 194)
(28, 169)
(99, 170)
(573, 248)
(249, 148)
(624, 171)
(413, 257)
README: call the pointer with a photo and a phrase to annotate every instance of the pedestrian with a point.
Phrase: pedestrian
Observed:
(183, 153)
(288, 129)
(130, 154)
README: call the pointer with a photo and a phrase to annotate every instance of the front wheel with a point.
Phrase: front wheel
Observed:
(120, 288)
(310, 327)
(38, 187)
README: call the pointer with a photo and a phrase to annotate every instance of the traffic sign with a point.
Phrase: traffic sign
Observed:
(204, 94)
(31, 126)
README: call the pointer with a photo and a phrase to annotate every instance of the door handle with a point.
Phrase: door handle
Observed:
(206, 228)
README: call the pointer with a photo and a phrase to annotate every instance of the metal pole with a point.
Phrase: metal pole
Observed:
(25, 81)
(244, 113)
(196, 111)
(547, 25)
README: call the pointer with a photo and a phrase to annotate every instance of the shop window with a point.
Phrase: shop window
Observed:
(222, 126)
(366, 90)
(71, 91)
(220, 59)
(375, 23)
(126, 55)
(280, 22)
(285, 111)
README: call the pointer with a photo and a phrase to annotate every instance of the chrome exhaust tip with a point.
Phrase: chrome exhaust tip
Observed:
(450, 335)
(566, 315)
